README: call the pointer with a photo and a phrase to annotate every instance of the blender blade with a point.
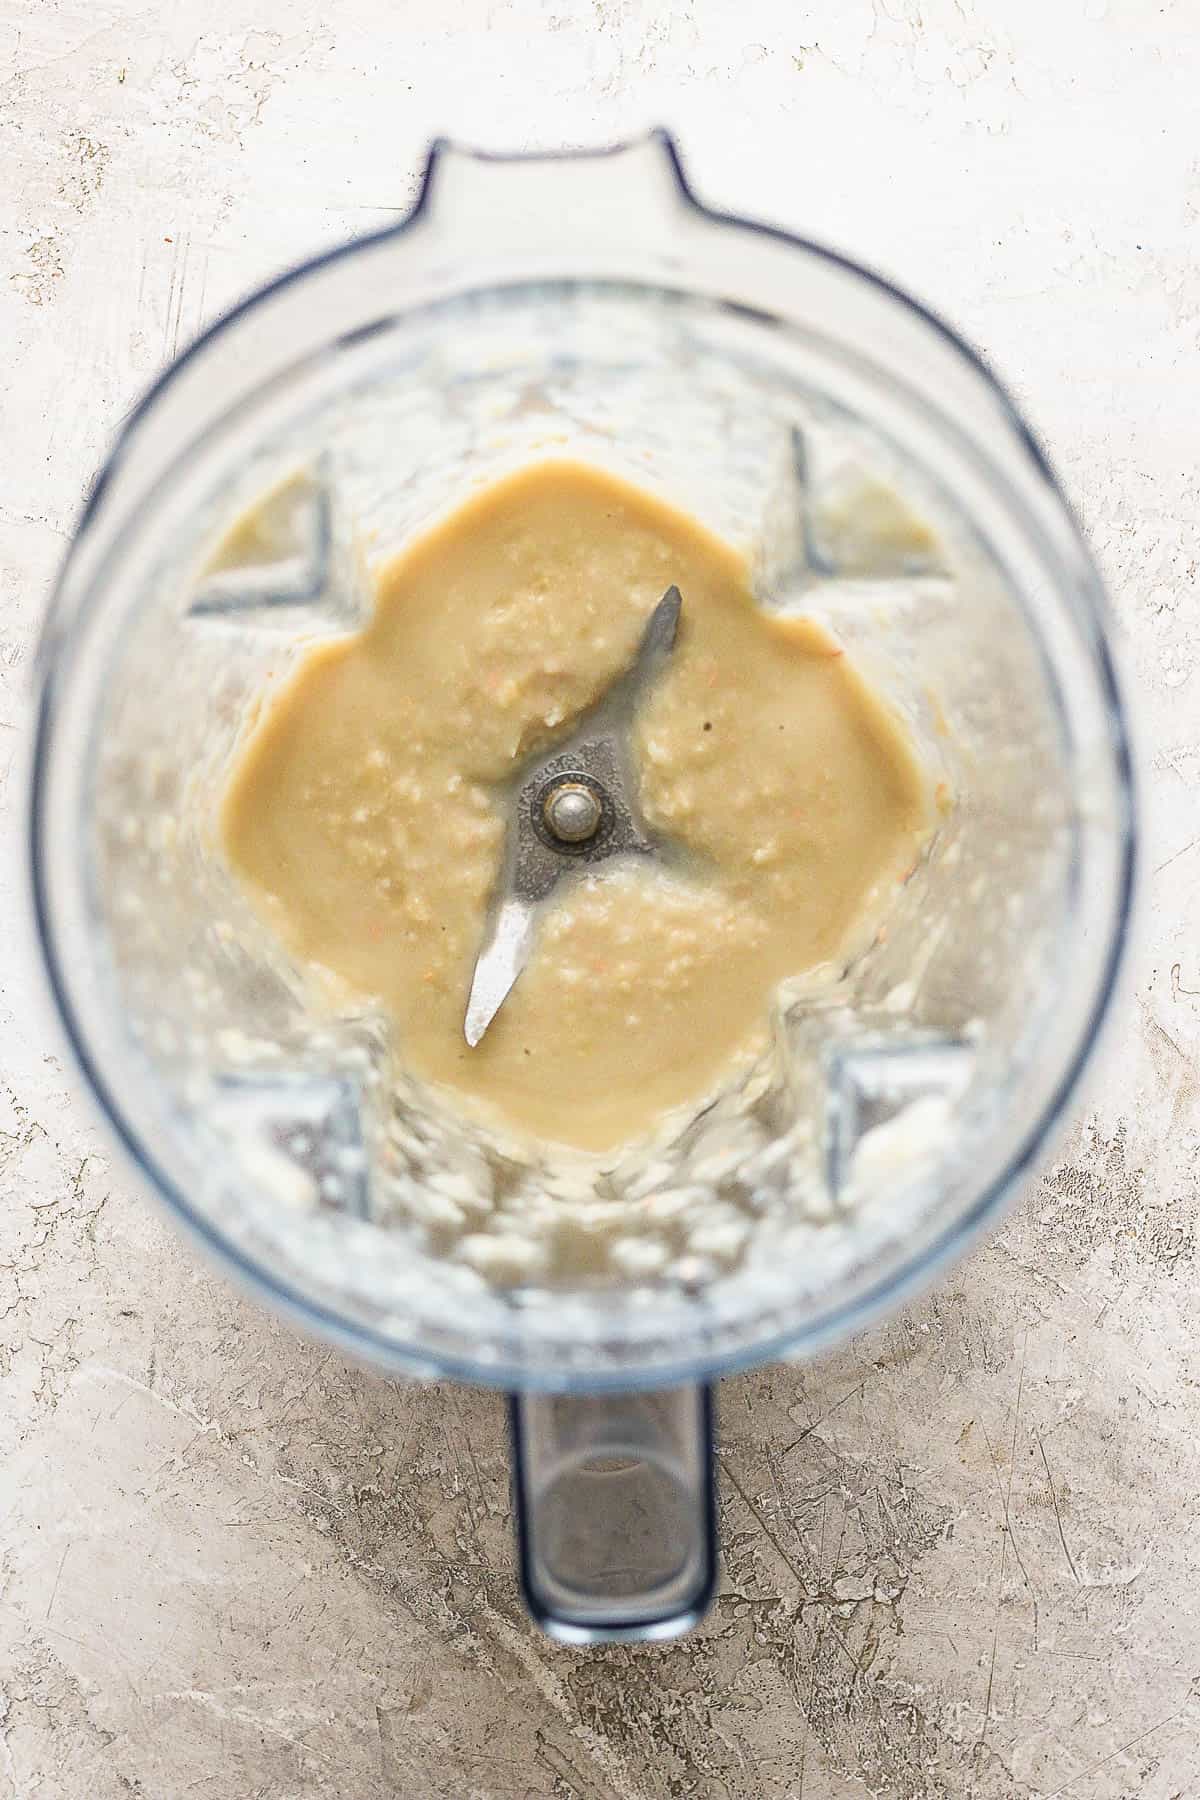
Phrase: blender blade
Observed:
(573, 809)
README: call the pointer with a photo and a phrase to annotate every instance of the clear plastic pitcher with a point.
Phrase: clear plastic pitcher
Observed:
(800, 407)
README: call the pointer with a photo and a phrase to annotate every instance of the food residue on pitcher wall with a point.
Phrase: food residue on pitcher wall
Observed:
(366, 813)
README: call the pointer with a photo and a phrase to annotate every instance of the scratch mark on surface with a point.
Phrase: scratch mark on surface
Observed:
(1119, 1751)
(252, 1717)
(1057, 1514)
(1177, 855)
(809, 1429)
(303, 1487)
(58, 1577)
(200, 304)
(461, 1486)
(771, 1537)
(175, 296)
(765, 1527)
(101, 1372)
(1007, 1538)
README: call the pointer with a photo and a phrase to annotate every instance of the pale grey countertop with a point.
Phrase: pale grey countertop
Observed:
(961, 1553)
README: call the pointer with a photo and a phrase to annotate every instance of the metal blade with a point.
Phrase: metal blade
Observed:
(498, 965)
(534, 861)
(658, 639)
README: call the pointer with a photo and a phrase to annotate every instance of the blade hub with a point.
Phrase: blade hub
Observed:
(571, 812)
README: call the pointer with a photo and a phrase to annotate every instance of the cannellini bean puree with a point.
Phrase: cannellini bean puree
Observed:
(365, 818)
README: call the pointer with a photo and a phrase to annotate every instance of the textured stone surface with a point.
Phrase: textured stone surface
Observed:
(961, 1553)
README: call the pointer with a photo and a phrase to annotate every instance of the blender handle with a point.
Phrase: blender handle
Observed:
(615, 1511)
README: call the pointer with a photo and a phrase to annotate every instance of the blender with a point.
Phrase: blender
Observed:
(881, 482)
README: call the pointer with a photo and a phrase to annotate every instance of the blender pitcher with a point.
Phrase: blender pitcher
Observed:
(881, 482)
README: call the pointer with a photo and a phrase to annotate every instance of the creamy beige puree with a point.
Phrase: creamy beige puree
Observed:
(366, 813)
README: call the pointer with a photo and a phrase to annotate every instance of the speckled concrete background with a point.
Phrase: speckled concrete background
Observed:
(961, 1554)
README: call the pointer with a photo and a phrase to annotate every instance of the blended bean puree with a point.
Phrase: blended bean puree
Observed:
(366, 817)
